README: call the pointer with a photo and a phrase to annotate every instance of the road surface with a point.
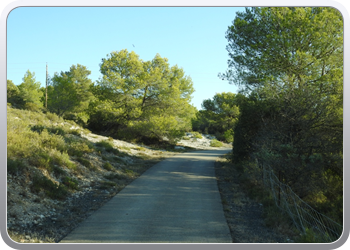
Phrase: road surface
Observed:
(175, 201)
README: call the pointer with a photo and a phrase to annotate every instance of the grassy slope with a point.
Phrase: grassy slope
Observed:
(49, 160)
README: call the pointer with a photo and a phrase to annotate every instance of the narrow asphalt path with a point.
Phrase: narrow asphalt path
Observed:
(175, 201)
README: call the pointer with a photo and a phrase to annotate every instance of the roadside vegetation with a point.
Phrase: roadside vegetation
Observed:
(287, 116)
(289, 65)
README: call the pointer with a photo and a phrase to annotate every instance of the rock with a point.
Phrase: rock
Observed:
(27, 237)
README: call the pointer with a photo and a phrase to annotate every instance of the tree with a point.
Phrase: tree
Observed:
(306, 45)
(29, 90)
(13, 94)
(139, 98)
(218, 116)
(290, 62)
(70, 91)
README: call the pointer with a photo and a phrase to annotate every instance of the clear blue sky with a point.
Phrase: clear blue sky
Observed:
(191, 37)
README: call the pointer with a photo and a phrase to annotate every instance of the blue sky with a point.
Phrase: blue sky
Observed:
(191, 37)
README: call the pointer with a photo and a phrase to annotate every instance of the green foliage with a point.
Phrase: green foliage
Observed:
(53, 130)
(70, 182)
(108, 166)
(306, 45)
(79, 148)
(70, 91)
(29, 91)
(129, 172)
(197, 135)
(218, 116)
(86, 163)
(215, 143)
(228, 135)
(108, 146)
(107, 184)
(112, 176)
(141, 99)
(290, 63)
(51, 189)
(15, 166)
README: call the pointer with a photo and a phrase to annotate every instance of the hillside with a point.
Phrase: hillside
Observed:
(59, 173)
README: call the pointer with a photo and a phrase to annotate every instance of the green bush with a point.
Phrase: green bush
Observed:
(108, 166)
(108, 146)
(70, 182)
(15, 166)
(53, 117)
(39, 128)
(62, 159)
(78, 148)
(228, 135)
(52, 141)
(51, 189)
(32, 107)
(129, 172)
(111, 176)
(75, 132)
(41, 160)
(107, 184)
(86, 163)
(215, 143)
(197, 135)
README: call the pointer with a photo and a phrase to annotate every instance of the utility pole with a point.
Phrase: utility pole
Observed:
(46, 87)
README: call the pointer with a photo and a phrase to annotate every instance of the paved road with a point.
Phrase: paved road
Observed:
(175, 201)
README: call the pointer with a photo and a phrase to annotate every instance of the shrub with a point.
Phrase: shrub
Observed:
(41, 160)
(228, 135)
(15, 166)
(215, 143)
(86, 163)
(111, 176)
(107, 184)
(74, 132)
(197, 135)
(62, 159)
(78, 148)
(58, 170)
(52, 141)
(108, 146)
(186, 138)
(57, 130)
(108, 166)
(32, 107)
(53, 117)
(51, 189)
(70, 182)
(129, 172)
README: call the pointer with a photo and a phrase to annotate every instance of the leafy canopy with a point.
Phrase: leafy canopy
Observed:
(70, 90)
(148, 98)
